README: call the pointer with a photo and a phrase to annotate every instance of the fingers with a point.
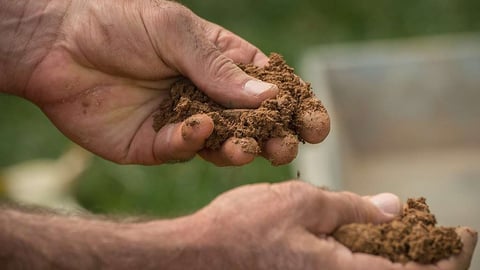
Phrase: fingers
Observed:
(280, 151)
(237, 152)
(333, 255)
(462, 260)
(197, 57)
(314, 126)
(235, 47)
(231, 153)
(339, 208)
(340, 257)
(223, 81)
(181, 141)
(322, 212)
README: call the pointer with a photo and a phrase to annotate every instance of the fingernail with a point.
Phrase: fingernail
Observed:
(388, 203)
(257, 87)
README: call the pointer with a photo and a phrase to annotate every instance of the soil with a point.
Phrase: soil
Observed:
(277, 117)
(413, 236)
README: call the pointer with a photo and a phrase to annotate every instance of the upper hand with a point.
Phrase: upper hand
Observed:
(112, 63)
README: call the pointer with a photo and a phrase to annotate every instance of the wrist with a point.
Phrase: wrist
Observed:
(180, 243)
(29, 29)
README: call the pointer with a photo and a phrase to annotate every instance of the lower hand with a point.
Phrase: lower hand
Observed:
(287, 226)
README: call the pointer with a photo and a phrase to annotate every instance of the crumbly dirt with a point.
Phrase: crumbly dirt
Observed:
(277, 117)
(412, 236)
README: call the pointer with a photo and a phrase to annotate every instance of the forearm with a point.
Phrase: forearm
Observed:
(28, 28)
(40, 241)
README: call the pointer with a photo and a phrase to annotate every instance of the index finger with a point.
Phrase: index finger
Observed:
(235, 47)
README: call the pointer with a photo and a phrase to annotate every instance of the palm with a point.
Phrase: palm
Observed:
(108, 115)
(293, 228)
(97, 106)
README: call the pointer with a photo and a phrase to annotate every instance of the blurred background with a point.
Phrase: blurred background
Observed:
(401, 79)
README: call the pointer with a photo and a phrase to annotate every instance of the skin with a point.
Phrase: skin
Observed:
(289, 231)
(99, 69)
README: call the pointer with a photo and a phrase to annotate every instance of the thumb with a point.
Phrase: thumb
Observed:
(345, 207)
(387, 203)
(223, 81)
(200, 60)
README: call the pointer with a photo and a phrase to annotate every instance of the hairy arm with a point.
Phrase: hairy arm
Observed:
(256, 227)
(233, 232)
(34, 240)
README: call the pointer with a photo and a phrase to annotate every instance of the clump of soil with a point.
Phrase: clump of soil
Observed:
(277, 117)
(412, 236)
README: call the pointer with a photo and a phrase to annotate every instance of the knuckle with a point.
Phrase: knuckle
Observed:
(302, 193)
(294, 186)
(224, 40)
(219, 66)
(171, 15)
(356, 212)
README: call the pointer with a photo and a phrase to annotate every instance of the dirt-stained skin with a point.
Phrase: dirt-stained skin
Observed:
(413, 236)
(289, 115)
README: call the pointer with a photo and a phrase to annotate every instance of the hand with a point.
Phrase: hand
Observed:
(257, 227)
(286, 226)
(110, 65)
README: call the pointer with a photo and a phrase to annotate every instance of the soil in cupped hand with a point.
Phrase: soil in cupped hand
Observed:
(413, 236)
(288, 115)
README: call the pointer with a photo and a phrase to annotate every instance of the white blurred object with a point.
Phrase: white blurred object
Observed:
(46, 182)
(389, 96)
(319, 163)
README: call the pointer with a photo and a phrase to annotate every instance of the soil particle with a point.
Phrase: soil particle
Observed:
(192, 122)
(412, 236)
(281, 116)
(249, 145)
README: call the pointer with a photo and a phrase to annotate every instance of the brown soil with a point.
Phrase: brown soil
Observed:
(412, 236)
(277, 117)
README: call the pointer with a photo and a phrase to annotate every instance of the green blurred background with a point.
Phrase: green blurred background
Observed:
(287, 27)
